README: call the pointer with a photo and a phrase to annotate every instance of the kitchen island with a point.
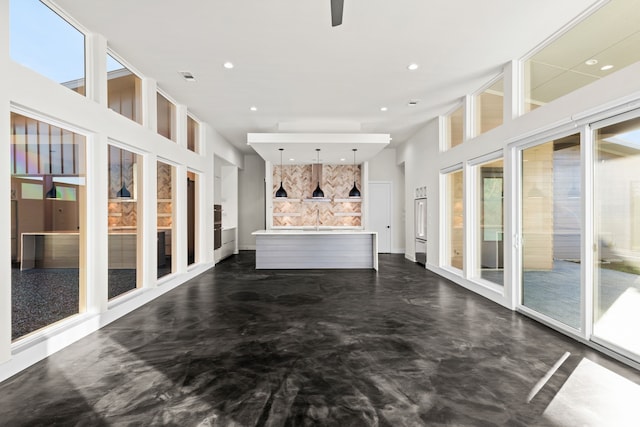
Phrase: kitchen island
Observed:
(310, 248)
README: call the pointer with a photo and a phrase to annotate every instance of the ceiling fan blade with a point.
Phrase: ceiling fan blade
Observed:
(336, 12)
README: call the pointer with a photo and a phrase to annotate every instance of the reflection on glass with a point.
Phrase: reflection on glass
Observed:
(490, 108)
(192, 134)
(192, 181)
(165, 180)
(490, 213)
(551, 229)
(123, 221)
(617, 221)
(569, 63)
(455, 127)
(166, 118)
(47, 166)
(43, 41)
(455, 219)
(124, 90)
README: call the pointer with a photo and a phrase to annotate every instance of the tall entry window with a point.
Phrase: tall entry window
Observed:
(550, 229)
(192, 206)
(165, 198)
(617, 235)
(489, 214)
(48, 215)
(454, 191)
(123, 220)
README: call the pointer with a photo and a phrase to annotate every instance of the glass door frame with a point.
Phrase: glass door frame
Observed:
(603, 344)
(586, 230)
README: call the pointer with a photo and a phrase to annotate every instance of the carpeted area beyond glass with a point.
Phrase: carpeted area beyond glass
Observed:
(43, 296)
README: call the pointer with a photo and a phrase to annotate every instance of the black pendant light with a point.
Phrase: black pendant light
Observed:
(318, 193)
(354, 191)
(281, 191)
(123, 193)
(52, 193)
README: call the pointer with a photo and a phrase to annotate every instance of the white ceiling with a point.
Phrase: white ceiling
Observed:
(301, 148)
(296, 69)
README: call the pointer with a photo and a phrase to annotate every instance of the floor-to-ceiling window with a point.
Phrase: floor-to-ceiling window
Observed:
(551, 221)
(165, 199)
(192, 201)
(617, 235)
(47, 165)
(454, 204)
(123, 220)
(489, 222)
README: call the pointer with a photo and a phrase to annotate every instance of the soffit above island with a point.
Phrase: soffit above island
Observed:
(335, 148)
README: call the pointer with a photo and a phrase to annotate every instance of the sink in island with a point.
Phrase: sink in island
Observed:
(311, 248)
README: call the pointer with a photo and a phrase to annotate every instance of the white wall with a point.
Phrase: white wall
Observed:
(384, 167)
(251, 203)
(423, 161)
(27, 92)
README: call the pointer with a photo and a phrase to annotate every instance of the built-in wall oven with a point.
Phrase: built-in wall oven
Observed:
(420, 225)
(217, 226)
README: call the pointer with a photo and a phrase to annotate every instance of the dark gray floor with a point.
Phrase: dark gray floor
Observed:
(240, 347)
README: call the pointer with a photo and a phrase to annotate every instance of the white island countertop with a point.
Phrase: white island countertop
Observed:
(311, 231)
(302, 248)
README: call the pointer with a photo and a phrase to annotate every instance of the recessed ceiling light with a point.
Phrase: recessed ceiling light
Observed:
(591, 61)
(254, 108)
(606, 67)
(383, 108)
(228, 65)
(413, 67)
(291, 160)
(343, 159)
(187, 76)
(413, 102)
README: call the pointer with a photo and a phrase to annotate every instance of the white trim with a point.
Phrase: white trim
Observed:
(544, 132)
(587, 232)
(486, 158)
(562, 31)
(450, 169)
(123, 62)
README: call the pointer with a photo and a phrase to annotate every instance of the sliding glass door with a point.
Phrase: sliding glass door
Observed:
(550, 230)
(617, 236)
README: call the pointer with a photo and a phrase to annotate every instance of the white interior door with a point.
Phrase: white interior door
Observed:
(380, 213)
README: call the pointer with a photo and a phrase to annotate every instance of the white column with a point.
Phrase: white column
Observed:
(96, 65)
(149, 104)
(181, 125)
(512, 90)
(268, 183)
(97, 224)
(179, 188)
(148, 221)
(5, 193)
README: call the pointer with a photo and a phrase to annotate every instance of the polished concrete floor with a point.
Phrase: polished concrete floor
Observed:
(401, 347)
